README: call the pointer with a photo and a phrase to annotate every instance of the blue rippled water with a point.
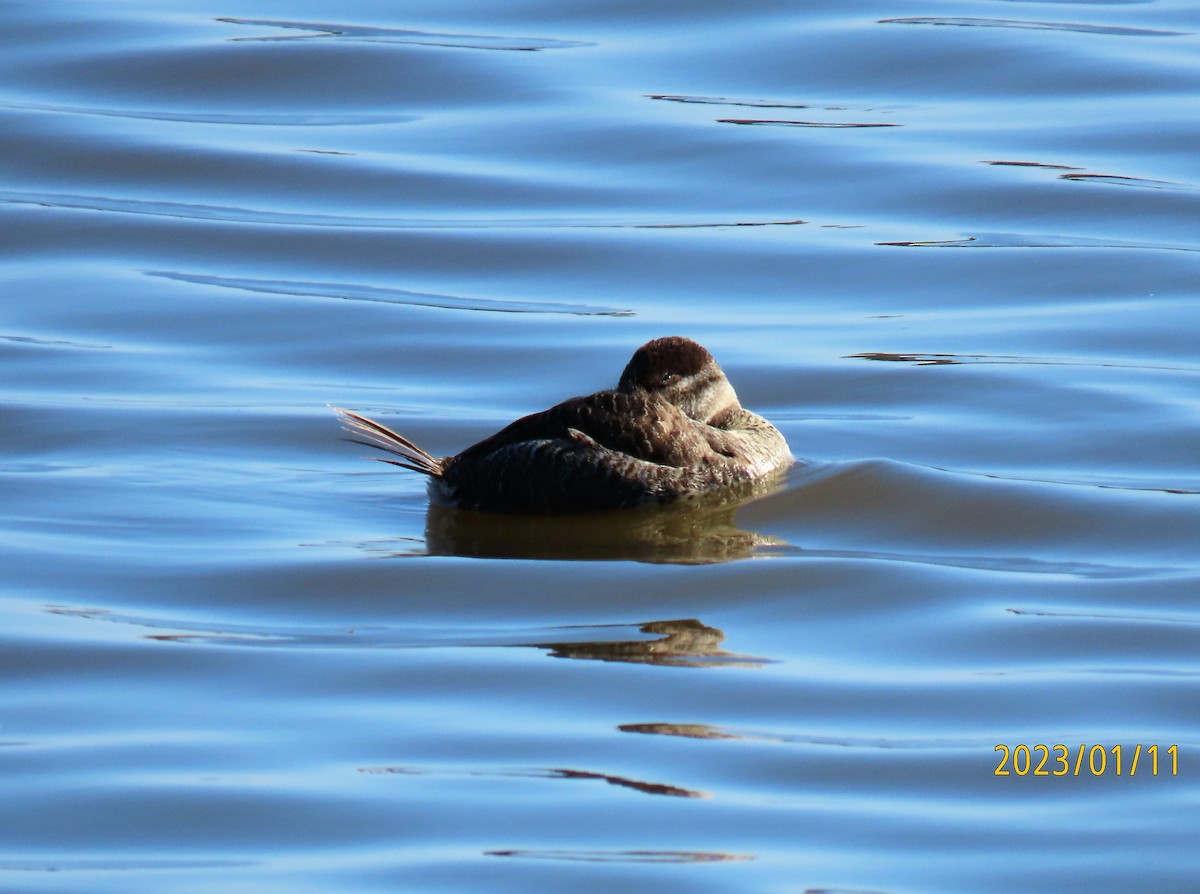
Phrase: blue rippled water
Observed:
(952, 249)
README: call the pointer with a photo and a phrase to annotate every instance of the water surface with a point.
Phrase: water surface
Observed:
(950, 249)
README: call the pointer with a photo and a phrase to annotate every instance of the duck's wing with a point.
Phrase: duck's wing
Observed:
(751, 440)
(638, 425)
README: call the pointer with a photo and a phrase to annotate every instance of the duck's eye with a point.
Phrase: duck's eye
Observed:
(668, 378)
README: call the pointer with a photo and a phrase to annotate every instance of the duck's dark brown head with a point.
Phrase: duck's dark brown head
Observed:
(683, 373)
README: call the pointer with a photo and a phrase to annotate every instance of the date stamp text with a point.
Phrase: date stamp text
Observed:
(1085, 760)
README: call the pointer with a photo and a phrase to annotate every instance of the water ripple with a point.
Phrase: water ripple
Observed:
(924, 359)
(262, 119)
(1031, 240)
(54, 342)
(1011, 564)
(724, 101)
(639, 785)
(118, 864)
(1082, 176)
(770, 104)
(233, 214)
(638, 856)
(677, 643)
(888, 743)
(405, 36)
(778, 122)
(1032, 164)
(337, 637)
(1082, 27)
(381, 294)
(1108, 617)
(1125, 180)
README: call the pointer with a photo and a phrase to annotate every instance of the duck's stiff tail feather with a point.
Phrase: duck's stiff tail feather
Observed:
(372, 434)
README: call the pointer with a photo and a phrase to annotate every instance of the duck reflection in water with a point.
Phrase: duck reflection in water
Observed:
(697, 532)
(672, 429)
(682, 643)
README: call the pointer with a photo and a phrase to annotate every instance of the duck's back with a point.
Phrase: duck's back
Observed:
(608, 450)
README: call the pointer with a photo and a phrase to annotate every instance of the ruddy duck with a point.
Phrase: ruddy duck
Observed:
(672, 428)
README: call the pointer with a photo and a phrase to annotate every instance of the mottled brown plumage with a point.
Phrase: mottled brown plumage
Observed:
(672, 428)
